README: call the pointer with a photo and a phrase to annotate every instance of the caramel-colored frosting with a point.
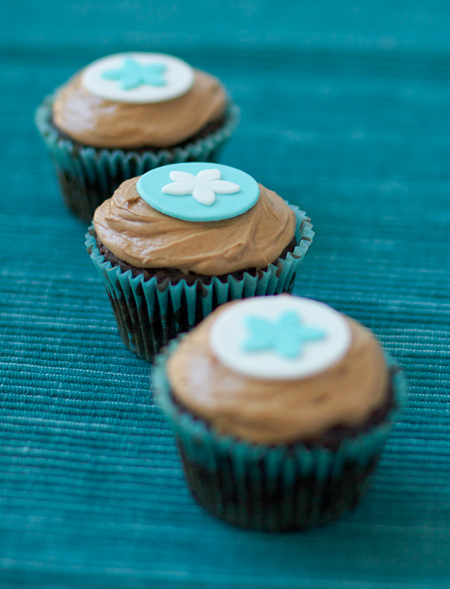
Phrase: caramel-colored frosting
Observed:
(276, 412)
(138, 234)
(92, 120)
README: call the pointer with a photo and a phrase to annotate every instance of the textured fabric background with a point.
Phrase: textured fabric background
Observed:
(345, 111)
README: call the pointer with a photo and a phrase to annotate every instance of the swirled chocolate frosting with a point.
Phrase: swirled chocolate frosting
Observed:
(138, 234)
(92, 120)
(276, 412)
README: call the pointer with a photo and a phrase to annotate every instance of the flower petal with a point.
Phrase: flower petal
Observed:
(210, 174)
(178, 188)
(153, 79)
(259, 324)
(112, 74)
(157, 68)
(288, 346)
(130, 81)
(130, 64)
(289, 321)
(313, 333)
(224, 187)
(257, 342)
(260, 334)
(204, 195)
(177, 176)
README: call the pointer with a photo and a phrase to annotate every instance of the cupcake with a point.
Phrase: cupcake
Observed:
(182, 239)
(126, 114)
(280, 407)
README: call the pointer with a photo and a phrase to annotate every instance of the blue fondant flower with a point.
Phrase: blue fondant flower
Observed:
(203, 187)
(287, 335)
(133, 74)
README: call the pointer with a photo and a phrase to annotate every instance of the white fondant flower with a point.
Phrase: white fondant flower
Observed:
(203, 187)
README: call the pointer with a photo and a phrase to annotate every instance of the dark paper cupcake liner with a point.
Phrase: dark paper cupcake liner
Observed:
(88, 175)
(150, 313)
(273, 488)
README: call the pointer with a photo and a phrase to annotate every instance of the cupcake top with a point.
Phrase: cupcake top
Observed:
(278, 370)
(133, 100)
(195, 217)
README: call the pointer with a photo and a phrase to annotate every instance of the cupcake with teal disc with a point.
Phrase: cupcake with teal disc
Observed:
(280, 407)
(182, 239)
(125, 114)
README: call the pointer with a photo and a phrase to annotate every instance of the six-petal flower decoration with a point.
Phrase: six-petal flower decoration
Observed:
(287, 335)
(133, 74)
(203, 187)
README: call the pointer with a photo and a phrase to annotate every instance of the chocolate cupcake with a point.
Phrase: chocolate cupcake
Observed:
(280, 407)
(126, 114)
(182, 239)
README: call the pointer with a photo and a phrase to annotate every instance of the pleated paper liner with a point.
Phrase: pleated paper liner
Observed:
(273, 488)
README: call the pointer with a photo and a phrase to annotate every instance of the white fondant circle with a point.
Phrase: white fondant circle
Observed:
(229, 332)
(179, 77)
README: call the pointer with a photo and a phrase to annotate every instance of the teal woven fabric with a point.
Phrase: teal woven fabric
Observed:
(345, 112)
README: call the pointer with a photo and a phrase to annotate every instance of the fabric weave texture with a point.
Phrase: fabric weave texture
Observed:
(345, 113)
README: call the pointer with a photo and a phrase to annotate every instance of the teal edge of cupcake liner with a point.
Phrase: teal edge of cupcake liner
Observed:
(268, 487)
(89, 175)
(170, 309)
(203, 445)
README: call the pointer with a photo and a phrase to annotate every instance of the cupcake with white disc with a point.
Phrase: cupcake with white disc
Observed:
(128, 113)
(280, 406)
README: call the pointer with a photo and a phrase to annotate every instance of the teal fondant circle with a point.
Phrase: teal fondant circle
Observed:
(150, 188)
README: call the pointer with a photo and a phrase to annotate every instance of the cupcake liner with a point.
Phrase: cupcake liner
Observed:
(89, 175)
(149, 313)
(267, 487)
